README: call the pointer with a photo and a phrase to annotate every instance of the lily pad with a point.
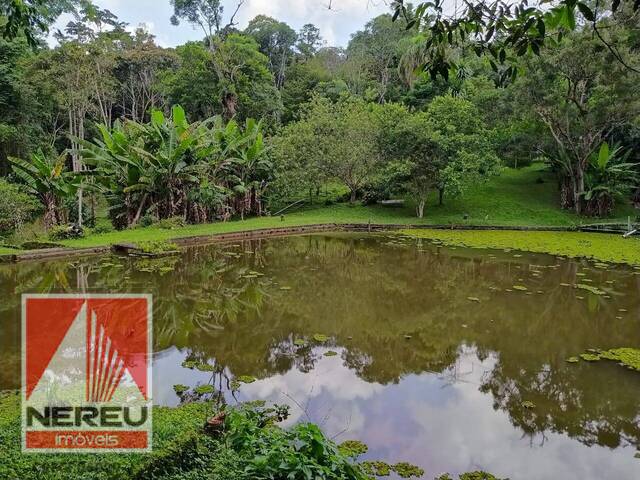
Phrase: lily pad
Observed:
(246, 379)
(180, 389)
(203, 389)
(407, 470)
(353, 448)
(191, 364)
(591, 289)
(590, 357)
(377, 468)
(330, 353)
(205, 367)
(520, 288)
(318, 337)
(573, 360)
(299, 342)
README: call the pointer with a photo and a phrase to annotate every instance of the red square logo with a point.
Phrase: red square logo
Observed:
(86, 373)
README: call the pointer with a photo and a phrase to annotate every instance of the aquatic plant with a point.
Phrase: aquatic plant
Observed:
(600, 247)
(406, 470)
(203, 389)
(156, 247)
(626, 357)
(353, 448)
(180, 389)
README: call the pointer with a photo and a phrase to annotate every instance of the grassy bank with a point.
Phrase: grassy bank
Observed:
(524, 197)
(596, 246)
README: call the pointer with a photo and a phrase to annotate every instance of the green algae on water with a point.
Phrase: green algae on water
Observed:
(407, 470)
(376, 468)
(203, 389)
(180, 389)
(625, 356)
(353, 448)
(595, 246)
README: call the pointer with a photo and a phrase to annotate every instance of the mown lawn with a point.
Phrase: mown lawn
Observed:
(525, 197)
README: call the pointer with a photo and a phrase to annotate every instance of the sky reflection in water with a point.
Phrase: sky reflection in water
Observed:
(425, 372)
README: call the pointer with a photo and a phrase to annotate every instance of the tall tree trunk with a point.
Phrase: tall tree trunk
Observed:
(578, 189)
(420, 208)
(441, 196)
(354, 195)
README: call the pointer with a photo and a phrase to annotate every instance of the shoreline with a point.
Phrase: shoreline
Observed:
(579, 244)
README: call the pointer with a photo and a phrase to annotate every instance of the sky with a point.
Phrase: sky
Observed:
(336, 24)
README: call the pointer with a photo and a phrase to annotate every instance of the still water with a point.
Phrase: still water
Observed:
(438, 360)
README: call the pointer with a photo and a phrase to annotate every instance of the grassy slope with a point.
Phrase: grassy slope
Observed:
(513, 198)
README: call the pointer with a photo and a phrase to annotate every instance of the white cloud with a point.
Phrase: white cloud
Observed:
(336, 25)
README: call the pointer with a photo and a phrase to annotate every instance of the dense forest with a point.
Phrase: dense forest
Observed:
(244, 120)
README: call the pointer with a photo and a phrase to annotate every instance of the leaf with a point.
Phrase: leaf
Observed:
(318, 337)
(586, 12)
(603, 155)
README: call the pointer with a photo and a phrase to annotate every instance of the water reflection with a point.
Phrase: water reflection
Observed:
(440, 352)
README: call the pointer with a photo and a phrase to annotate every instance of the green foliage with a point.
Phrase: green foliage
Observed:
(330, 141)
(610, 248)
(445, 148)
(172, 168)
(64, 232)
(353, 448)
(626, 357)
(271, 452)
(16, 208)
(157, 246)
(49, 181)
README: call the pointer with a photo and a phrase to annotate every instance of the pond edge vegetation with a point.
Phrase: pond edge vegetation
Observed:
(554, 240)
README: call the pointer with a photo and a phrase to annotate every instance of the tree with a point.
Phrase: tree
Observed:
(444, 149)
(26, 108)
(139, 71)
(308, 41)
(497, 28)
(245, 84)
(206, 14)
(583, 97)
(31, 18)
(331, 140)
(195, 67)
(275, 39)
(376, 51)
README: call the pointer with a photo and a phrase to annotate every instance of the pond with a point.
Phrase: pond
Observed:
(452, 359)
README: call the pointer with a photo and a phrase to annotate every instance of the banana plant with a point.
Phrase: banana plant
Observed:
(609, 175)
(48, 180)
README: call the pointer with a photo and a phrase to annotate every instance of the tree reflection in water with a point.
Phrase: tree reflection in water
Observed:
(392, 308)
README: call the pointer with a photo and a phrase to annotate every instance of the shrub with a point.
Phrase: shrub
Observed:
(16, 207)
(146, 220)
(65, 232)
(171, 223)
(103, 226)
